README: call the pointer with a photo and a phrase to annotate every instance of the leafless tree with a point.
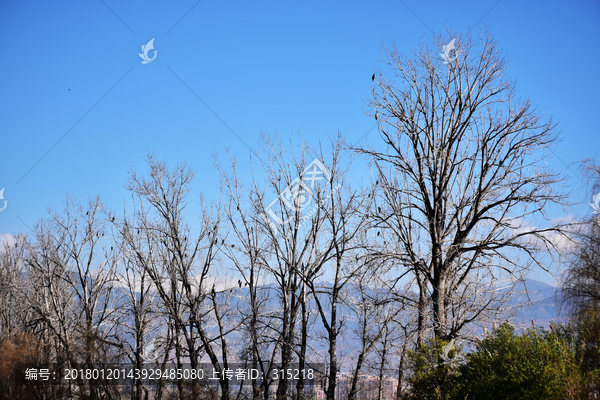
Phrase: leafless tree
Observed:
(181, 266)
(296, 247)
(581, 280)
(140, 315)
(248, 256)
(288, 246)
(375, 311)
(339, 221)
(14, 315)
(73, 276)
(461, 174)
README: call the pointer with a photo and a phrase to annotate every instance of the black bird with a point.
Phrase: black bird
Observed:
(213, 290)
(138, 231)
(379, 208)
(377, 183)
(376, 114)
(69, 90)
(223, 242)
(378, 233)
(246, 284)
(239, 283)
(372, 78)
(87, 212)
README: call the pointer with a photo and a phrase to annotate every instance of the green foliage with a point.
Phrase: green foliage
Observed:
(583, 335)
(587, 334)
(432, 378)
(538, 364)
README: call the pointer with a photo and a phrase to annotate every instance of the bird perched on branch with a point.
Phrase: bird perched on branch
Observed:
(239, 283)
(212, 291)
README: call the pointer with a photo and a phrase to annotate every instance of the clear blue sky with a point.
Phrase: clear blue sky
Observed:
(275, 66)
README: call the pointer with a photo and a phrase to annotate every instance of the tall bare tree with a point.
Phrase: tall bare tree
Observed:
(181, 266)
(248, 256)
(461, 171)
(14, 315)
(289, 243)
(72, 270)
(140, 314)
(339, 223)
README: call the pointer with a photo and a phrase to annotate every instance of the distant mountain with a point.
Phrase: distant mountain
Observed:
(540, 304)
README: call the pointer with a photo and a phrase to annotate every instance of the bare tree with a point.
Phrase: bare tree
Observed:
(181, 266)
(73, 277)
(14, 315)
(461, 175)
(139, 309)
(375, 310)
(248, 256)
(581, 280)
(339, 222)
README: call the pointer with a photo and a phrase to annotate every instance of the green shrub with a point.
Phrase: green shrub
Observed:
(538, 364)
(432, 378)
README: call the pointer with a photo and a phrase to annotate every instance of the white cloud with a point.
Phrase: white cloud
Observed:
(562, 242)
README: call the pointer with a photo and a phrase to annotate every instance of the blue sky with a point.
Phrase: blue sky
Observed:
(259, 66)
